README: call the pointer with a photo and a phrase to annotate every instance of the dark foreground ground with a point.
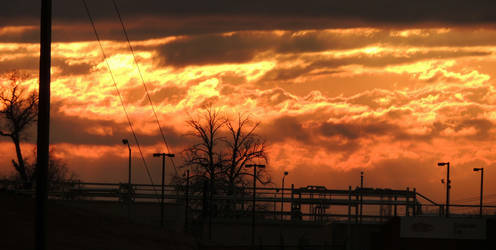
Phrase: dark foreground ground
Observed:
(72, 228)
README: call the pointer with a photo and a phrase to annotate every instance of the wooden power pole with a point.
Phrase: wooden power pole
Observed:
(43, 140)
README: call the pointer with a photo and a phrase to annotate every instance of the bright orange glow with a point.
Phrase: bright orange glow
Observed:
(330, 102)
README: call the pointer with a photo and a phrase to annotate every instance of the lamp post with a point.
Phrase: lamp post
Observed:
(361, 195)
(163, 155)
(254, 166)
(126, 142)
(282, 195)
(186, 216)
(481, 188)
(448, 185)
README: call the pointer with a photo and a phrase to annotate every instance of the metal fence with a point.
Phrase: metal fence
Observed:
(311, 203)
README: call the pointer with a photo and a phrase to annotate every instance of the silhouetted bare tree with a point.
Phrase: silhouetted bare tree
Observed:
(18, 111)
(243, 146)
(205, 157)
(224, 146)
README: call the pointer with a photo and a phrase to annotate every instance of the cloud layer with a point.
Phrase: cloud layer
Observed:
(333, 98)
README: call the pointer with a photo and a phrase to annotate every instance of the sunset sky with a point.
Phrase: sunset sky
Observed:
(385, 87)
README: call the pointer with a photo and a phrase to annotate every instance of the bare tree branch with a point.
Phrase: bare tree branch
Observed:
(18, 111)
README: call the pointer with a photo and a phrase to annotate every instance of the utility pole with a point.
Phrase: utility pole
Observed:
(129, 188)
(186, 219)
(448, 185)
(163, 155)
(254, 166)
(43, 135)
(361, 196)
(481, 188)
(282, 195)
(126, 142)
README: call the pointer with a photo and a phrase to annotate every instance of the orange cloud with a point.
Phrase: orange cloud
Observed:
(391, 101)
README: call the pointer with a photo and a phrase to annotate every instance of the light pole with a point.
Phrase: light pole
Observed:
(448, 185)
(163, 155)
(126, 142)
(282, 194)
(186, 217)
(481, 188)
(254, 166)
(361, 195)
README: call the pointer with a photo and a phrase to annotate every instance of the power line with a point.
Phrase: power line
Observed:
(143, 81)
(118, 92)
(475, 198)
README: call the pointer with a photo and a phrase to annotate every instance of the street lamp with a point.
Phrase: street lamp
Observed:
(186, 217)
(448, 184)
(282, 194)
(361, 196)
(254, 166)
(481, 188)
(163, 155)
(126, 142)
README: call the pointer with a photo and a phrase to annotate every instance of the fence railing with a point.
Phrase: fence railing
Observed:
(306, 203)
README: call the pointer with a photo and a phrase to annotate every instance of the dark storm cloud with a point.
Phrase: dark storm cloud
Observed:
(242, 47)
(170, 94)
(75, 130)
(213, 49)
(273, 97)
(71, 69)
(149, 18)
(347, 136)
(330, 65)
(30, 63)
(338, 137)
(356, 130)
(26, 63)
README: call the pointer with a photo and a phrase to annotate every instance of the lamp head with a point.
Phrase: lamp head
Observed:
(442, 164)
(478, 169)
(157, 154)
(125, 141)
(286, 172)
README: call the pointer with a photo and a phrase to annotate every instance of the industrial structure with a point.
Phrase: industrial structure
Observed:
(330, 218)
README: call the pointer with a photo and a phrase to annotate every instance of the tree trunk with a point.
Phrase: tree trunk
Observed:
(20, 166)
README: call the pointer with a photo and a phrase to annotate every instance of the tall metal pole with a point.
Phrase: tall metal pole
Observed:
(282, 196)
(162, 193)
(254, 166)
(481, 191)
(186, 219)
(163, 155)
(253, 206)
(361, 196)
(129, 188)
(481, 188)
(448, 187)
(129, 172)
(43, 135)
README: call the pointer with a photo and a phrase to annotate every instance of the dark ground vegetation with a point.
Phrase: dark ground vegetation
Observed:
(71, 228)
